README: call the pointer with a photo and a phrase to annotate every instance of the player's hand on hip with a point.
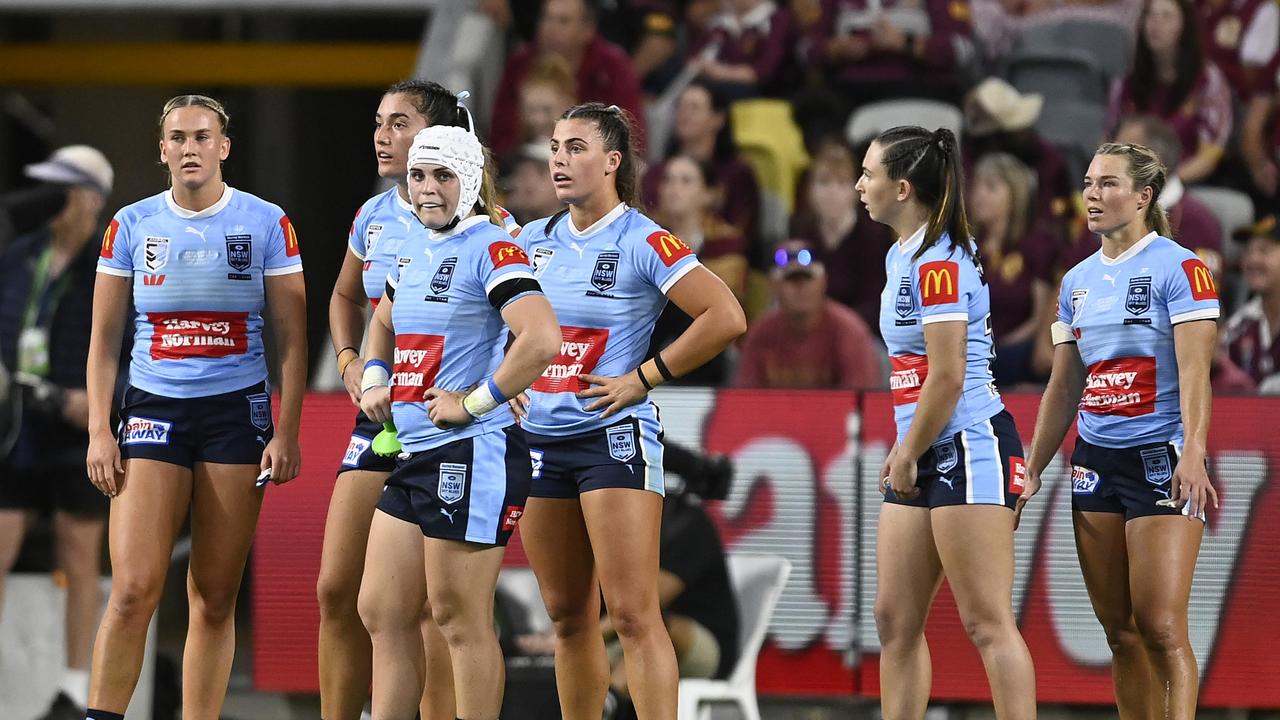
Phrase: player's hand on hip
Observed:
(612, 393)
(519, 406)
(1031, 486)
(283, 457)
(376, 403)
(1191, 487)
(445, 409)
(103, 464)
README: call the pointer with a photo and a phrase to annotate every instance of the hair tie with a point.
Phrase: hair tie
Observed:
(471, 123)
(614, 109)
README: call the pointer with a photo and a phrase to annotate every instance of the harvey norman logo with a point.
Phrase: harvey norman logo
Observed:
(1111, 381)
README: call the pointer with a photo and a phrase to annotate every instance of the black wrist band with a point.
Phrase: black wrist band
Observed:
(662, 368)
(643, 380)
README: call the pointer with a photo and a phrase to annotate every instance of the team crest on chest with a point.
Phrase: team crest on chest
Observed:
(605, 274)
(444, 276)
(155, 253)
(903, 304)
(1138, 298)
(239, 251)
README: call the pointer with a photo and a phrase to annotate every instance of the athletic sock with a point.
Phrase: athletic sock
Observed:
(102, 715)
(75, 685)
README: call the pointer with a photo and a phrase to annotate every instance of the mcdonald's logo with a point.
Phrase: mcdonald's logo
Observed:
(152, 280)
(1200, 279)
(291, 247)
(939, 283)
(109, 240)
(670, 248)
(505, 253)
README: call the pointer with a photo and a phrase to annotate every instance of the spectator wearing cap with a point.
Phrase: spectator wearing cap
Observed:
(997, 118)
(808, 340)
(746, 49)
(844, 238)
(602, 70)
(877, 49)
(1252, 336)
(46, 287)
(1193, 224)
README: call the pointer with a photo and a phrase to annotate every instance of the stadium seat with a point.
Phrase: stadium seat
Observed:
(1107, 43)
(1063, 74)
(757, 581)
(870, 120)
(1076, 128)
(1231, 208)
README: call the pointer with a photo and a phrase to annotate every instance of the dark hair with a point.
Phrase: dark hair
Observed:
(930, 161)
(724, 148)
(1190, 61)
(1157, 135)
(203, 101)
(707, 171)
(617, 130)
(433, 101)
(1145, 170)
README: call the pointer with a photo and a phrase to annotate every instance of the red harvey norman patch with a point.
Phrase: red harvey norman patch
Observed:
(203, 334)
(417, 361)
(580, 350)
(1200, 279)
(109, 240)
(1121, 386)
(670, 248)
(1017, 474)
(511, 516)
(939, 282)
(907, 377)
(504, 253)
(291, 248)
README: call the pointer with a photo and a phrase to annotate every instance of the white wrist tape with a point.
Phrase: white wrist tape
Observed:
(376, 374)
(481, 400)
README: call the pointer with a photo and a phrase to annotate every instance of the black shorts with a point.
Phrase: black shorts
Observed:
(232, 428)
(48, 489)
(360, 455)
(472, 489)
(627, 454)
(1123, 480)
(980, 465)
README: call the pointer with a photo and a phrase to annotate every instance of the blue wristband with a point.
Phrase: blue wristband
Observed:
(377, 363)
(494, 391)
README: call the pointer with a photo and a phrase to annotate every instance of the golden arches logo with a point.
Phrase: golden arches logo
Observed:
(1203, 286)
(933, 281)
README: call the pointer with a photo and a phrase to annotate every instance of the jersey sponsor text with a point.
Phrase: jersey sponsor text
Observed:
(198, 334)
(907, 377)
(417, 360)
(580, 350)
(1120, 386)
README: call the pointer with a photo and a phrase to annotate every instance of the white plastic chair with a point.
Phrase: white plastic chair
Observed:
(1232, 209)
(757, 583)
(873, 118)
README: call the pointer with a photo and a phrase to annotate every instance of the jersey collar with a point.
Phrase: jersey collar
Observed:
(400, 202)
(458, 229)
(913, 242)
(214, 209)
(1127, 254)
(598, 225)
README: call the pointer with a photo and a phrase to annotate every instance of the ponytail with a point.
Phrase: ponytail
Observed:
(488, 202)
(617, 129)
(930, 161)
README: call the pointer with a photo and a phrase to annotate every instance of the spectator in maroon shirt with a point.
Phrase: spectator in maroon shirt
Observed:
(702, 131)
(886, 48)
(1240, 37)
(745, 50)
(1260, 136)
(1018, 260)
(547, 91)
(1173, 80)
(603, 71)
(1252, 335)
(843, 238)
(809, 340)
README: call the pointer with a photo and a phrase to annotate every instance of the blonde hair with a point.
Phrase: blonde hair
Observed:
(1021, 182)
(204, 101)
(1146, 170)
(488, 200)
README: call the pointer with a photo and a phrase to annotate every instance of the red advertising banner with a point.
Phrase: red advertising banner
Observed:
(805, 488)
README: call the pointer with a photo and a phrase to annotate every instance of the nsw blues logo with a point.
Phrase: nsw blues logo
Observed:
(946, 455)
(1156, 465)
(239, 252)
(259, 410)
(1138, 300)
(453, 483)
(155, 253)
(444, 276)
(904, 304)
(605, 274)
(622, 442)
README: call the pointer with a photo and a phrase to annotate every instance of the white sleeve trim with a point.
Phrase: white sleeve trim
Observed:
(115, 271)
(1201, 314)
(355, 252)
(1061, 333)
(282, 271)
(677, 275)
(505, 277)
(945, 317)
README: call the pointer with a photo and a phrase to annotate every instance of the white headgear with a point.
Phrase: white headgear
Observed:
(456, 149)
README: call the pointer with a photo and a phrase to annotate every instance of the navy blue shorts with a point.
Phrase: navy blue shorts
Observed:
(360, 455)
(1123, 480)
(472, 489)
(980, 465)
(233, 428)
(627, 454)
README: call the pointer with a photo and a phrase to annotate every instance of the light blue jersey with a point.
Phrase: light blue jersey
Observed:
(198, 288)
(607, 285)
(943, 285)
(1120, 313)
(448, 291)
(381, 225)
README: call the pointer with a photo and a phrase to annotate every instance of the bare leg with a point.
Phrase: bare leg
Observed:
(13, 528)
(392, 592)
(438, 701)
(908, 573)
(79, 547)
